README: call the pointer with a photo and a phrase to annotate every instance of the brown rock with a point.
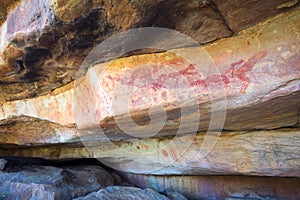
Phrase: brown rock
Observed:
(241, 14)
(26, 130)
(5, 7)
(53, 37)
(197, 19)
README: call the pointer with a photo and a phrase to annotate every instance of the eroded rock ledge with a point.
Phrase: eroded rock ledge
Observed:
(264, 153)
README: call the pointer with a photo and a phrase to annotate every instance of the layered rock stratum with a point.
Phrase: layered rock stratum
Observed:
(229, 105)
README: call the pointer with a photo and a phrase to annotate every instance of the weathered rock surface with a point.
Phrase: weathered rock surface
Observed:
(221, 187)
(28, 178)
(124, 193)
(47, 182)
(32, 179)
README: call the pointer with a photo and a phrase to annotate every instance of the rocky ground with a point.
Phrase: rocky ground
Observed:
(34, 179)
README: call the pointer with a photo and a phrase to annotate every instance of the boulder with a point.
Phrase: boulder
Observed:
(48, 182)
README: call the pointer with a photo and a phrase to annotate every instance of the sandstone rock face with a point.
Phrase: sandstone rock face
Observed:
(229, 107)
(253, 76)
(44, 49)
(248, 153)
(5, 7)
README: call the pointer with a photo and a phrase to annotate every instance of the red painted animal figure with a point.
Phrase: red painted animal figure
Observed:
(244, 67)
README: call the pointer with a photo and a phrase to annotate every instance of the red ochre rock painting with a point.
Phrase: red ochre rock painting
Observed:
(245, 66)
(191, 74)
(164, 153)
